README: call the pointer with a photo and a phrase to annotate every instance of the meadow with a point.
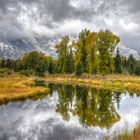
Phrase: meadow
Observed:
(15, 88)
(116, 82)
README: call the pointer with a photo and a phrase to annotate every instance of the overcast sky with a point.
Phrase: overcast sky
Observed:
(27, 18)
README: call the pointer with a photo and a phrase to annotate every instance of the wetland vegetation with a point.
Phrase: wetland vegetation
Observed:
(89, 86)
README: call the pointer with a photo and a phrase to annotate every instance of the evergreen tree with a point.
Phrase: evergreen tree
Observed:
(40, 68)
(51, 68)
(70, 62)
(83, 56)
(8, 63)
(137, 68)
(3, 65)
(124, 65)
(92, 52)
(79, 69)
(118, 63)
(131, 64)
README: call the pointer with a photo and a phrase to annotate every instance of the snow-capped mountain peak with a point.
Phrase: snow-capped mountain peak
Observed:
(125, 51)
(15, 49)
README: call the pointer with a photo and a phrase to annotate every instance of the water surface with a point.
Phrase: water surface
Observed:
(70, 113)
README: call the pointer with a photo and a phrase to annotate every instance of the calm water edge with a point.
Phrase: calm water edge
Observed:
(70, 113)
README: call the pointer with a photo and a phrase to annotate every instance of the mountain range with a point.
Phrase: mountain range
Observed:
(15, 49)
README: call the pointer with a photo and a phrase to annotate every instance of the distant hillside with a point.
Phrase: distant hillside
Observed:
(15, 49)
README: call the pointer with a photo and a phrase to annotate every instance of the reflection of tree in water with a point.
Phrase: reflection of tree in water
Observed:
(65, 100)
(94, 107)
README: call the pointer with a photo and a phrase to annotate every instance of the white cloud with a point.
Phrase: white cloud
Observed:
(52, 17)
(128, 26)
(73, 27)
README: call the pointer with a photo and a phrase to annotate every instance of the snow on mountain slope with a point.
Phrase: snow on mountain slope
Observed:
(7, 50)
(125, 51)
(15, 49)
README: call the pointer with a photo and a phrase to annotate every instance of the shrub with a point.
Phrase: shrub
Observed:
(27, 72)
(5, 72)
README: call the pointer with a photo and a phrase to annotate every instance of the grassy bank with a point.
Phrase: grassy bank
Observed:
(15, 88)
(134, 135)
(113, 82)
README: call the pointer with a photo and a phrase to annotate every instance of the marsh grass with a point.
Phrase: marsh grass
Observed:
(121, 83)
(127, 135)
(19, 88)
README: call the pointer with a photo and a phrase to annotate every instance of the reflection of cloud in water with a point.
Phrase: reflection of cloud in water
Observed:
(53, 127)
(38, 120)
(50, 125)
(130, 109)
(129, 112)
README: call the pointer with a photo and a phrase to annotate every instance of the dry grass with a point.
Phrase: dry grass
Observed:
(134, 135)
(113, 82)
(17, 88)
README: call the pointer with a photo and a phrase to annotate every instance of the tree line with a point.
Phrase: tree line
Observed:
(91, 53)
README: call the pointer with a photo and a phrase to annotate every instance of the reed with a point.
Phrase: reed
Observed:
(126, 135)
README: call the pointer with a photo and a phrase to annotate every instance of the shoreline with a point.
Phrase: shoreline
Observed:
(122, 83)
(18, 88)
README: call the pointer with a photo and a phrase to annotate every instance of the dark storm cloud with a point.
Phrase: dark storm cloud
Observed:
(48, 12)
(4, 4)
(57, 9)
(133, 5)
(20, 18)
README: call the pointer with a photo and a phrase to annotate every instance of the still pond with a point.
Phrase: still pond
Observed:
(70, 113)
